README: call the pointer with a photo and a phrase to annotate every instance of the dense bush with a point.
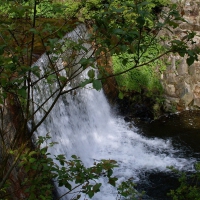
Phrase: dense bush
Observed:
(145, 78)
(45, 9)
(141, 84)
(41, 171)
(189, 187)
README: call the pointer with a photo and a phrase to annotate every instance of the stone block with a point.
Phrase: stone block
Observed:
(170, 90)
(171, 99)
(185, 93)
(182, 69)
(170, 77)
(197, 74)
(197, 92)
(192, 70)
(170, 103)
(196, 102)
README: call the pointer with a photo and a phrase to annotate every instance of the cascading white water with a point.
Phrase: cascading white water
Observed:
(83, 124)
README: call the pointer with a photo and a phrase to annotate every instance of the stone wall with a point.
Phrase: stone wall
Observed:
(182, 82)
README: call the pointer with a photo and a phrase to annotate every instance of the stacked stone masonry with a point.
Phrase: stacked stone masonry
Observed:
(181, 82)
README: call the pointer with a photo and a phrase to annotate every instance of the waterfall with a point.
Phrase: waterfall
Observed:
(84, 124)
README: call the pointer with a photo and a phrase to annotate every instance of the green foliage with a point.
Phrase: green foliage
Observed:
(126, 189)
(41, 169)
(138, 79)
(49, 9)
(141, 84)
(88, 10)
(182, 49)
(45, 9)
(141, 79)
(189, 185)
(3, 191)
(127, 30)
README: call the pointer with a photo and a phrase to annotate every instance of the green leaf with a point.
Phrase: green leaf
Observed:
(181, 53)
(43, 150)
(99, 76)
(74, 157)
(96, 187)
(32, 153)
(97, 84)
(60, 184)
(112, 181)
(1, 100)
(11, 66)
(143, 3)
(190, 60)
(32, 160)
(22, 92)
(141, 21)
(36, 71)
(91, 193)
(62, 79)
(68, 186)
(173, 24)
(78, 197)
(124, 61)
(110, 172)
(118, 10)
(51, 78)
(4, 81)
(121, 95)
(33, 30)
(84, 83)
(118, 31)
(84, 62)
(2, 49)
(91, 73)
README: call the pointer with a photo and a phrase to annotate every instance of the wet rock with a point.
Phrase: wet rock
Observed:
(142, 112)
(127, 119)
(133, 110)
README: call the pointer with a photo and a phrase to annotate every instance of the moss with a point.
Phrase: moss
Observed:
(140, 85)
(144, 78)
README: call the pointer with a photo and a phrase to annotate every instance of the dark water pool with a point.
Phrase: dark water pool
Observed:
(183, 129)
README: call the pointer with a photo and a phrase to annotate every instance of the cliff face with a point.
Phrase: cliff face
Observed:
(182, 82)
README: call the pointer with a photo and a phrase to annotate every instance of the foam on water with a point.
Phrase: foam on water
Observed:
(83, 125)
